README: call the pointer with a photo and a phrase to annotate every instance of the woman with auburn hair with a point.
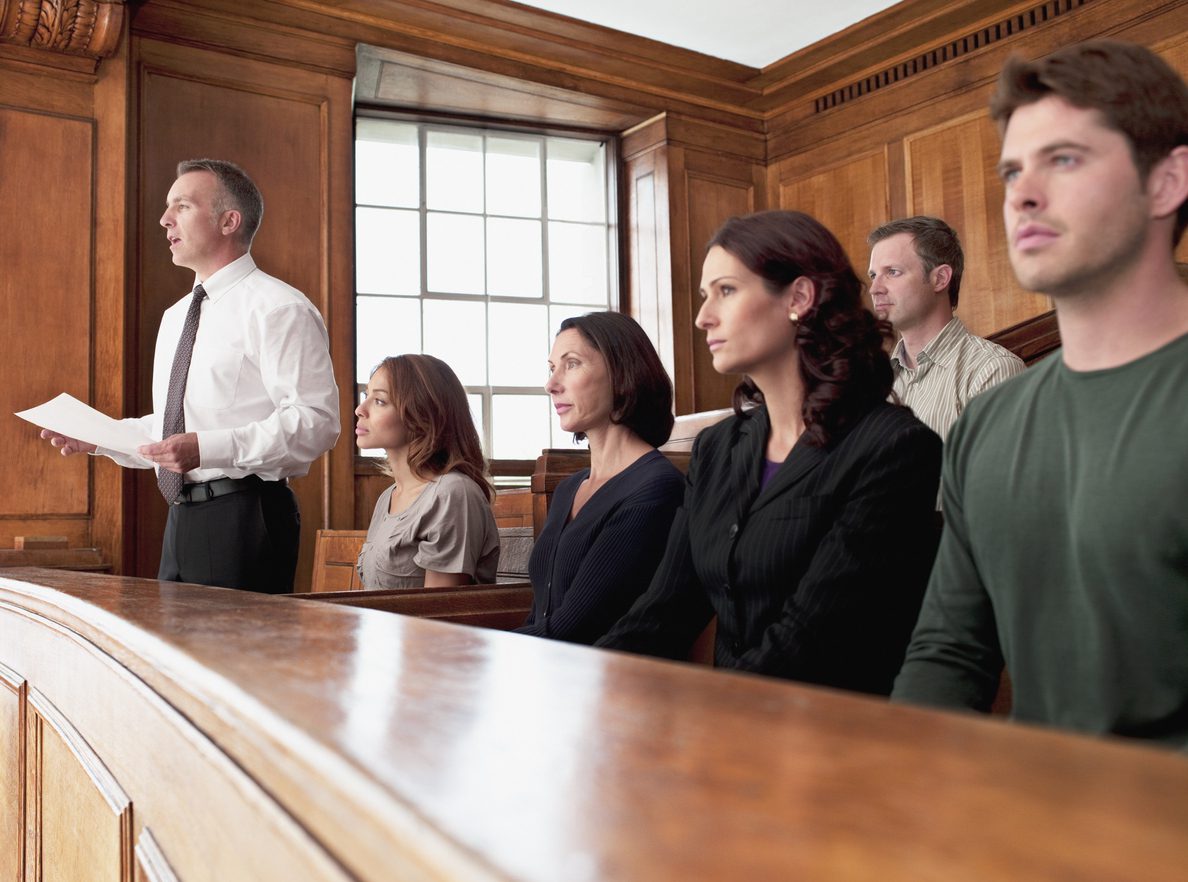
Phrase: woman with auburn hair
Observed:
(606, 526)
(808, 525)
(434, 526)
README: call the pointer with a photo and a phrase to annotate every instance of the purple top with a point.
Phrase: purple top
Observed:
(769, 470)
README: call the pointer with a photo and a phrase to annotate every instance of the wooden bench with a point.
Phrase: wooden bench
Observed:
(501, 606)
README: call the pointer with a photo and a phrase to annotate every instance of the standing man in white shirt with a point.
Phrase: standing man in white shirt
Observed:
(256, 406)
(915, 276)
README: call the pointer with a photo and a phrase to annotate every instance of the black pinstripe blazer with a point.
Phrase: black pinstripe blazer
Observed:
(820, 576)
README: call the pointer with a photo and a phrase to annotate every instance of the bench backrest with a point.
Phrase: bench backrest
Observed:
(501, 606)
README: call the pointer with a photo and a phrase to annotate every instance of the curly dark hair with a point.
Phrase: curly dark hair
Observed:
(641, 390)
(840, 344)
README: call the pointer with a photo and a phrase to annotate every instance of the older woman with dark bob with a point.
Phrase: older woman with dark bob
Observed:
(808, 524)
(433, 528)
(606, 526)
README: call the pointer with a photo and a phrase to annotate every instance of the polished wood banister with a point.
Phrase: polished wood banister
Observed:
(407, 748)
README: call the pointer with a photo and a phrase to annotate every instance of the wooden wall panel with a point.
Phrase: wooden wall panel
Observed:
(151, 863)
(291, 132)
(80, 819)
(12, 776)
(649, 256)
(712, 197)
(951, 174)
(851, 199)
(45, 309)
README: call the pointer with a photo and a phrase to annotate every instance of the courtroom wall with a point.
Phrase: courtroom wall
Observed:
(912, 135)
(885, 119)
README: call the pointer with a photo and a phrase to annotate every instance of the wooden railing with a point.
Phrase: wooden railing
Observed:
(169, 731)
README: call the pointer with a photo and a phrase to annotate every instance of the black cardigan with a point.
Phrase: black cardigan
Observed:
(587, 572)
(820, 576)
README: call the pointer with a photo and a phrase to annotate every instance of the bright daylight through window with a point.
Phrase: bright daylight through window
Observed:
(473, 245)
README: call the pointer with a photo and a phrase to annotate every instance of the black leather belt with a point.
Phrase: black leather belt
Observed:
(209, 490)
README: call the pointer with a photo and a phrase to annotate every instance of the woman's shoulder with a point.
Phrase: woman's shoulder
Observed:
(457, 486)
(654, 472)
(886, 422)
(728, 430)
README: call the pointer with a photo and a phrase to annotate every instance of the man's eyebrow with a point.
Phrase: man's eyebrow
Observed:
(1046, 150)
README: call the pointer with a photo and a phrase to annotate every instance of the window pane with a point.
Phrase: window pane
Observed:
(456, 332)
(514, 258)
(577, 263)
(520, 425)
(387, 163)
(387, 251)
(513, 177)
(519, 336)
(454, 171)
(475, 400)
(455, 254)
(558, 314)
(577, 180)
(384, 326)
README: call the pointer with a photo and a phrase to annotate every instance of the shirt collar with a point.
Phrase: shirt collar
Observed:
(938, 350)
(228, 277)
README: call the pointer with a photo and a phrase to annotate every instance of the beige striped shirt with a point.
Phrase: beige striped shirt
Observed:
(954, 367)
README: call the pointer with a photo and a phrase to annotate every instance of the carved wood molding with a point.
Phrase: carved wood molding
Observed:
(952, 49)
(88, 28)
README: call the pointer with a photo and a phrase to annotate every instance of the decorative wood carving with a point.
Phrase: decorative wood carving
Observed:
(71, 27)
(949, 51)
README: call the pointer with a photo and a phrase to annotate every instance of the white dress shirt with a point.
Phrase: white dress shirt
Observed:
(261, 395)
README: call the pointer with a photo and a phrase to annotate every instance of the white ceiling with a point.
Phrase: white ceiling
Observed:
(751, 32)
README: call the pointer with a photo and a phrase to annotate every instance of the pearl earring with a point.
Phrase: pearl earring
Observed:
(794, 316)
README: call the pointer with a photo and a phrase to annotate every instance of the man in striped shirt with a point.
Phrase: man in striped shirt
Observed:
(915, 276)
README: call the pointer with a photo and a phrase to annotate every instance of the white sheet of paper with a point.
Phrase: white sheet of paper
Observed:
(68, 416)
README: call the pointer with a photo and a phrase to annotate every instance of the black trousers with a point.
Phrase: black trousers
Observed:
(242, 540)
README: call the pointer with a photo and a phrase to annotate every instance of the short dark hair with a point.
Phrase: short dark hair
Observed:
(840, 345)
(433, 408)
(1136, 92)
(641, 390)
(239, 192)
(935, 243)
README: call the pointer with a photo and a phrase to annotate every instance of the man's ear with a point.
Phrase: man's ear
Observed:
(941, 276)
(230, 222)
(1167, 184)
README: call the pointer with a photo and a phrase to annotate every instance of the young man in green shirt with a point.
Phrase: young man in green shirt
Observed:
(1065, 554)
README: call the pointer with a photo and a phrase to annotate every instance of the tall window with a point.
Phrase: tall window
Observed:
(473, 245)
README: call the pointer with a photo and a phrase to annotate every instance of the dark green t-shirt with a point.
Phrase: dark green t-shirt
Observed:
(1065, 552)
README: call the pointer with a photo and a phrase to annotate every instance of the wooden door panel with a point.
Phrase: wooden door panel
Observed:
(12, 778)
(80, 819)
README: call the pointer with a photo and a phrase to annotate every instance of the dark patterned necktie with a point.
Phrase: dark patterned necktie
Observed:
(175, 411)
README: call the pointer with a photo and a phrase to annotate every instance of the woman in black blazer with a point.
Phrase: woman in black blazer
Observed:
(808, 525)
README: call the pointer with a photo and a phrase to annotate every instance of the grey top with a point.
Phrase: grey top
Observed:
(449, 528)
